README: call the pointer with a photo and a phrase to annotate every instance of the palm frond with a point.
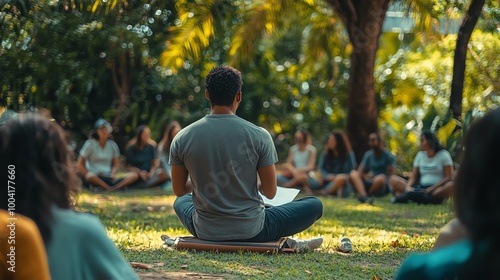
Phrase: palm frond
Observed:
(323, 38)
(261, 20)
(426, 22)
(191, 36)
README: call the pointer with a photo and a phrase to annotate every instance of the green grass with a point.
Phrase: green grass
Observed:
(382, 235)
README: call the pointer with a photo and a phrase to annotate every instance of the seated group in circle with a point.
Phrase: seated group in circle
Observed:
(38, 150)
(339, 175)
(99, 158)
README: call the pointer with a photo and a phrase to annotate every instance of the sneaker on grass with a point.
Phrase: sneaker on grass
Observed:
(305, 245)
(366, 199)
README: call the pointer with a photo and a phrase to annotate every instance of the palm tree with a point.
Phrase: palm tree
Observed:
(464, 34)
(362, 20)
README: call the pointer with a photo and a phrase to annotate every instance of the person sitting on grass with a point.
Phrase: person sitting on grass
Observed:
(431, 174)
(300, 161)
(164, 148)
(373, 173)
(474, 252)
(99, 160)
(336, 163)
(76, 243)
(224, 155)
(142, 159)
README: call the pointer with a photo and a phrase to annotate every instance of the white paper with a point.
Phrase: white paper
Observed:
(283, 195)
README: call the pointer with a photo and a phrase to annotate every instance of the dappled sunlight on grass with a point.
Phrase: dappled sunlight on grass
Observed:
(382, 236)
(362, 207)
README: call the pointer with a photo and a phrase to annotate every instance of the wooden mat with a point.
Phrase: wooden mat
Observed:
(191, 243)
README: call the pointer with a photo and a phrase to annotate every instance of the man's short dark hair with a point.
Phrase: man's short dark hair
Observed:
(223, 83)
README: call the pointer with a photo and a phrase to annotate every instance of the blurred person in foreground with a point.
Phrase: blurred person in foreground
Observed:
(474, 252)
(46, 187)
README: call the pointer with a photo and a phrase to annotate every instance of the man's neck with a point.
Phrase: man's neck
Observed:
(377, 151)
(216, 109)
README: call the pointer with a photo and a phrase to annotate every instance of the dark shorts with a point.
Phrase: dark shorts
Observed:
(381, 192)
(419, 187)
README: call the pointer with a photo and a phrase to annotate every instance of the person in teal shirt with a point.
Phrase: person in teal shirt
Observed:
(372, 175)
(476, 254)
(35, 152)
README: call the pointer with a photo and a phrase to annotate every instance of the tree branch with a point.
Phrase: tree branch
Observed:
(345, 10)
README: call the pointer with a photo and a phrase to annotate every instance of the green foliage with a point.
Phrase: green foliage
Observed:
(490, 17)
(92, 52)
(382, 235)
(404, 127)
(420, 75)
(78, 60)
(415, 83)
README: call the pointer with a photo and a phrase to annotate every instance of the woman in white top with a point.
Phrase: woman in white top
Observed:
(431, 175)
(301, 160)
(99, 160)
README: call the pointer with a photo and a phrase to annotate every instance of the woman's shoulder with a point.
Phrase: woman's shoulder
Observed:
(421, 154)
(443, 153)
(91, 141)
(152, 143)
(112, 143)
(439, 264)
(74, 221)
(311, 148)
(25, 227)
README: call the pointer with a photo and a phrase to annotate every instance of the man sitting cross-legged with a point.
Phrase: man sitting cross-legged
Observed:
(223, 154)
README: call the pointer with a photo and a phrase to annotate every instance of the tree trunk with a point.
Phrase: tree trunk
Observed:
(363, 20)
(121, 82)
(464, 34)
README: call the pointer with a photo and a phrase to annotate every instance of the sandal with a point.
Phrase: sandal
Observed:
(345, 245)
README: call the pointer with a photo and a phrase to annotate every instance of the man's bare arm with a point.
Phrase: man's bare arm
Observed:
(179, 180)
(267, 176)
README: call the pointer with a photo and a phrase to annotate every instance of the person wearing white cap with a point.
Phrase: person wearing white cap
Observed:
(99, 160)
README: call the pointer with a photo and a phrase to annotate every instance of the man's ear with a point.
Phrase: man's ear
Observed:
(206, 95)
(238, 96)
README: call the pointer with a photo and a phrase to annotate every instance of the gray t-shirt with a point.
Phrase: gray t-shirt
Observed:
(222, 153)
(99, 160)
(377, 164)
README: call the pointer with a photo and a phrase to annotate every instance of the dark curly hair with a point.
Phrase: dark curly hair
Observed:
(139, 145)
(169, 136)
(37, 151)
(343, 147)
(223, 83)
(432, 141)
(477, 195)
